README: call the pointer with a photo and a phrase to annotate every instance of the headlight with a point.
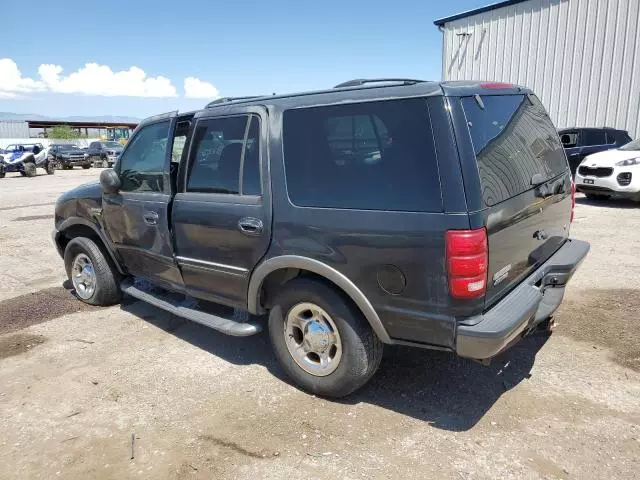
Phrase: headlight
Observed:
(628, 162)
(86, 155)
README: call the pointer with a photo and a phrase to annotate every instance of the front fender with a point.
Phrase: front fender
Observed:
(68, 226)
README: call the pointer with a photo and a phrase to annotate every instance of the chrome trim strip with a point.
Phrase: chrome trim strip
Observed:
(215, 266)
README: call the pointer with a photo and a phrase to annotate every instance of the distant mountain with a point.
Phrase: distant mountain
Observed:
(99, 118)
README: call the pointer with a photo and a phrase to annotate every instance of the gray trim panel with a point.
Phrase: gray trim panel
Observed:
(294, 261)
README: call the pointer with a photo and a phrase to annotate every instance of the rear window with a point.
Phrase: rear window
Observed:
(368, 156)
(513, 139)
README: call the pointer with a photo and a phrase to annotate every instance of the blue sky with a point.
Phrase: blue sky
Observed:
(237, 48)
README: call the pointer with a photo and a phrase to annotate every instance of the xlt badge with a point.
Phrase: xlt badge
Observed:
(501, 274)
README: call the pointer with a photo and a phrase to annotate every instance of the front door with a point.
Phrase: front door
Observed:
(136, 218)
(221, 216)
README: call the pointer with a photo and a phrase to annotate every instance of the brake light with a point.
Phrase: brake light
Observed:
(467, 262)
(496, 85)
(573, 199)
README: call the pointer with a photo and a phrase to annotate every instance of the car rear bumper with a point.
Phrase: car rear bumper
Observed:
(531, 302)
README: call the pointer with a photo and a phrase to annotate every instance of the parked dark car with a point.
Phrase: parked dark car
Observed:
(373, 213)
(105, 153)
(580, 142)
(67, 156)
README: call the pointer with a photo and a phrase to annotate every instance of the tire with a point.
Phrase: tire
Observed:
(2, 173)
(50, 167)
(85, 166)
(597, 196)
(30, 169)
(360, 348)
(106, 280)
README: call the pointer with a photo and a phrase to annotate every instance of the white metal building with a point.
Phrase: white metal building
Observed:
(581, 57)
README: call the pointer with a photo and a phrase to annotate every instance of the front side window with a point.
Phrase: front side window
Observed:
(141, 166)
(514, 140)
(220, 148)
(569, 139)
(368, 156)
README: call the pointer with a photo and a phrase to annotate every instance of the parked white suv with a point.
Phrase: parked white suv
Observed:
(611, 173)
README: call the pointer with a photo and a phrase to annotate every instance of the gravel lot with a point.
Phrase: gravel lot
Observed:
(80, 385)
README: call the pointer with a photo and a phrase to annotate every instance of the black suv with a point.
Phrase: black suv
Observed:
(104, 153)
(403, 212)
(580, 142)
(67, 156)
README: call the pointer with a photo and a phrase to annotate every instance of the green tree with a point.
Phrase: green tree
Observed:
(63, 132)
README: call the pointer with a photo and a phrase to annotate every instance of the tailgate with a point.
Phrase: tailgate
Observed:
(526, 185)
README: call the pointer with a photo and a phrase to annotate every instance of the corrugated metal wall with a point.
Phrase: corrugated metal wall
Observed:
(13, 129)
(581, 57)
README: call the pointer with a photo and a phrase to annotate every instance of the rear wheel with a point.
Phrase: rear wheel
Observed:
(50, 167)
(94, 279)
(322, 341)
(29, 169)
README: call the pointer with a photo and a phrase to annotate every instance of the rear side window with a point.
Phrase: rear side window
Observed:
(513, 139)
(368, 156)
(593, 137)
(224, 151)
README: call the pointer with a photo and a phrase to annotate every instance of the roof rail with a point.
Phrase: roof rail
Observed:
(361, 81)
(222, 100)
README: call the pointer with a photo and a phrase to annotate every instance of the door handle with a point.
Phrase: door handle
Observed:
(150, 218)
(251, 226)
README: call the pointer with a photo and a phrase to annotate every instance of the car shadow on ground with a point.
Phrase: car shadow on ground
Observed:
(446, 391)
(609, 202)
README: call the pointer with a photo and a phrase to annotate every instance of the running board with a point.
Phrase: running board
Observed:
(221, 324)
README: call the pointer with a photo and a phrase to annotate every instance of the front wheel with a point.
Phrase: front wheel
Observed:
(50, 167)
(322, 341)
(94, 279)
(86, 166)
(30, 169)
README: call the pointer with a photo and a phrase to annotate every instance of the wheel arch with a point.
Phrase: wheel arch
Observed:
(283, 265)
(79, 227)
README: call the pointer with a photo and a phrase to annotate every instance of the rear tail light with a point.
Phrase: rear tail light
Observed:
(573, 199)
(467, 262)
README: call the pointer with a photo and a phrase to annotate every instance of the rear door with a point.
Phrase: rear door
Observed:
(525, 185)
(221, 215)
(137, 217)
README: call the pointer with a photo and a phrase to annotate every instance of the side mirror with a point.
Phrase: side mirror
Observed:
(110, 181)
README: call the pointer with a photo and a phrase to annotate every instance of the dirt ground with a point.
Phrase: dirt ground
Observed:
(129, 392)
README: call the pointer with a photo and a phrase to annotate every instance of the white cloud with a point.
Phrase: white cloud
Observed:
(196, 88)
(12, 81)
(95, 79)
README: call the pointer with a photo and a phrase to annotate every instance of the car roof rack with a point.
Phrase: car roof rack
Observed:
(362, 81)
(219, 101)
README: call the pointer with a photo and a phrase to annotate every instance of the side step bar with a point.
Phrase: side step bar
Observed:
(221, 324)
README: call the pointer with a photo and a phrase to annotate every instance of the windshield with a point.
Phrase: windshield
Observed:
(112, 145)
(67, 147)
(634, 145)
